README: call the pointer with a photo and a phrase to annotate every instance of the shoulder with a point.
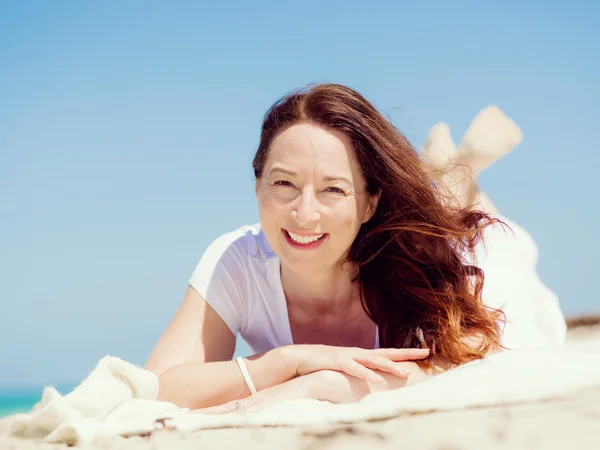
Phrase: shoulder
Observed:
(229, 263)
(247, 240)
(244, 245)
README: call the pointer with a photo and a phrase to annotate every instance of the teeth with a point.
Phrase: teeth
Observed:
(304, 239)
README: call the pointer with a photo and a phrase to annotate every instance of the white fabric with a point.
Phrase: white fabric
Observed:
(117, 398)
(112, 383)
(239, 276)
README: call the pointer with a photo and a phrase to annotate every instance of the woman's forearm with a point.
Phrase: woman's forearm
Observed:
(327, 385)
(338, 387)
(200, 385)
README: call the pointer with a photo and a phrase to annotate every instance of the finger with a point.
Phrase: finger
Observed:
(355, 369)
(383, 364)
(402, 354)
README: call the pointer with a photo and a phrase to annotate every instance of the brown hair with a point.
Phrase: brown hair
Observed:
(415, 281)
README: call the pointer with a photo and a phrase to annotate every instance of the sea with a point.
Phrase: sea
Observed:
(21, 400)
(16, 402)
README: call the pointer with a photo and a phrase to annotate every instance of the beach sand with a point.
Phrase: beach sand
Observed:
(558, 423)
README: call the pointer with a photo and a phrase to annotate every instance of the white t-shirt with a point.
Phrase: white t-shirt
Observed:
(239, 276)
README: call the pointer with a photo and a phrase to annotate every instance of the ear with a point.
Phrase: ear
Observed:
(372, 205)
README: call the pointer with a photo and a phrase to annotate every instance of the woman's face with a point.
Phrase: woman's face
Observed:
(312, 197)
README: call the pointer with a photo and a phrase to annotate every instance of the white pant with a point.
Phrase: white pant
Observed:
(509, 259)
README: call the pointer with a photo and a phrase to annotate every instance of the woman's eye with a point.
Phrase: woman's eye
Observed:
(282, 183)
(335, 190)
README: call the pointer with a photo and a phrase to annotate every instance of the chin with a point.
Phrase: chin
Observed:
(305, 266)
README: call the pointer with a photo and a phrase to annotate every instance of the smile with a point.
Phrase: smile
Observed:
(302, 241)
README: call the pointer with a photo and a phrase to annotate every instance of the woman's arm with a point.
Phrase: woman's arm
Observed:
(325, 385)
(193, 360)
(337, 387)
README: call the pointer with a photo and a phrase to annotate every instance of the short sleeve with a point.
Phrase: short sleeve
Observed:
(218, 278)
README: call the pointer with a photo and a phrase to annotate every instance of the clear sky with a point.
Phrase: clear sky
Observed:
(127, 130)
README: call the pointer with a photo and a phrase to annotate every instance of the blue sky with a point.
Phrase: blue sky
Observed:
(127, 130)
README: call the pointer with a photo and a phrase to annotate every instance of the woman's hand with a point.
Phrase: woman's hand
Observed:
(356, 362)
(338, 387)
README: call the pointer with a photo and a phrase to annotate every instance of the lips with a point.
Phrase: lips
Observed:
(304, 241)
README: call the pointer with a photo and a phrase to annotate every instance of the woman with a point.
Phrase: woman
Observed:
(358, 278)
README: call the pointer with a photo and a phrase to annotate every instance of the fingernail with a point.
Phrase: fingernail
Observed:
(376, 378)
(405, 373)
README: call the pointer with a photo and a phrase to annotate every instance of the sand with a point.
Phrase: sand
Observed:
(558, 423)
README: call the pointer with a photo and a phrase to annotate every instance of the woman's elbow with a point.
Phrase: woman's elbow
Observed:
(171, 390)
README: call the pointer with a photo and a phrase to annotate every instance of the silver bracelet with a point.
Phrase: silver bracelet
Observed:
(245, 374)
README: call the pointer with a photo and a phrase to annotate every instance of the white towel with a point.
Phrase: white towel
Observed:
(118, 398)
(113, 383)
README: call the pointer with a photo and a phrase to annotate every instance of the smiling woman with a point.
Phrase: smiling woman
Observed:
(313, 188)
(359, 277)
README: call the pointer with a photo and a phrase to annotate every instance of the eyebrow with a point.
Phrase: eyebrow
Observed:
(325, 178)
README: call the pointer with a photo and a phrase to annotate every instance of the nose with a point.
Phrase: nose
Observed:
(307, 208)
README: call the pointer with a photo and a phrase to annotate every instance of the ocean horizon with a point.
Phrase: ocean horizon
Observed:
(22, 399)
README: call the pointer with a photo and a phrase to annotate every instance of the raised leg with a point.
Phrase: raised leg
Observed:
(509, 260)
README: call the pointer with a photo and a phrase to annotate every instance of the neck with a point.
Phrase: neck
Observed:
(320, 290)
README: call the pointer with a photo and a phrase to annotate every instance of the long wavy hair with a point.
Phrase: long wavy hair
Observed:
(416, 282)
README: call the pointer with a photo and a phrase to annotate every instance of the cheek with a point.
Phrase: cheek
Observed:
(270, 216)
(271, 207)
(343, 212)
